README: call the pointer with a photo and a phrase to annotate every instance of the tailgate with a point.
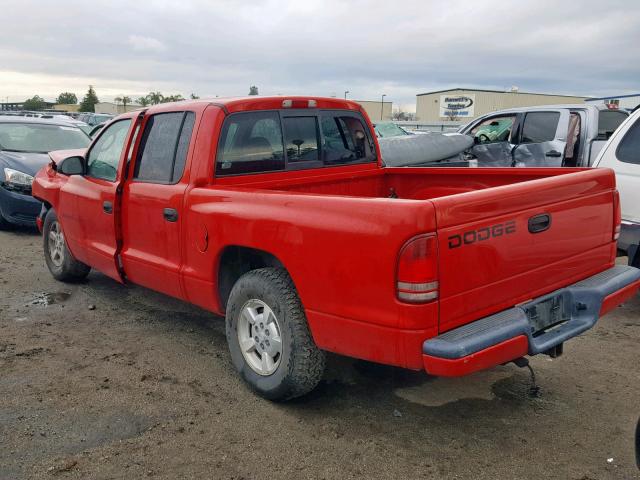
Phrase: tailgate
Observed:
(492, 256)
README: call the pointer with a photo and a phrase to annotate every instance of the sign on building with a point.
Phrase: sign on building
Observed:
(456, 106)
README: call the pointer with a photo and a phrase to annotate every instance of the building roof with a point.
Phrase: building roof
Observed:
(498, 91)
(611, 97)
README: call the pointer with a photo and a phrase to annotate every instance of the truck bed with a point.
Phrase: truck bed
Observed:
(498, 272)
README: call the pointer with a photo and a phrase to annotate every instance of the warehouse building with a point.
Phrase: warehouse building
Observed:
(465, 104)
(377, 110)
(623, 102)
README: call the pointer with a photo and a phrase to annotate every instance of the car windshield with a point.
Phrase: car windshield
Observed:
(40, 138)
(389, 130)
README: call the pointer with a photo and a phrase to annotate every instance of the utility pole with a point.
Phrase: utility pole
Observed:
(382, 107)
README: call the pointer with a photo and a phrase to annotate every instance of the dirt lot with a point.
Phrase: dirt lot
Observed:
(99, 380)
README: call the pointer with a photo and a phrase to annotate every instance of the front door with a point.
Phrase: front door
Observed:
(152, 203)
(492, 141)
(543, 139)
(87, 206)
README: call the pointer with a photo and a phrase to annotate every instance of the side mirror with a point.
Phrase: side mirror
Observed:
(72, 166)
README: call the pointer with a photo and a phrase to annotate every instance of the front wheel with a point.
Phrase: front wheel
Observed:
(62, 264)
(268, 336)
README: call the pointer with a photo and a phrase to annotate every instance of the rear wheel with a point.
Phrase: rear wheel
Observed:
(4, 224)
(61, 263)
(268, 336)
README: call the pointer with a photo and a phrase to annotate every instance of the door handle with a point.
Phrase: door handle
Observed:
(553, 153)
(539, 223)
(170, 214)
(107, 207)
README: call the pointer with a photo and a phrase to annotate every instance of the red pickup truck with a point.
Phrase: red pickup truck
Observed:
(276, 213)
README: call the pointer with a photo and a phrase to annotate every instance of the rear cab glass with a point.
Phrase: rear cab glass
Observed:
(269, 141)
(608, 122)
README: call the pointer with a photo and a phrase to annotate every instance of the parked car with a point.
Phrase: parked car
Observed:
(389, 129)
(278, 215)
(24, 143)
(622, 154)
(542, 136)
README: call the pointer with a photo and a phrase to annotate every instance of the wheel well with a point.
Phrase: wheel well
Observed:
(235, 261)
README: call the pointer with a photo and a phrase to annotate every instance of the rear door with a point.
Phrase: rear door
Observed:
(87, 206)
(542, 139)
(152, 201)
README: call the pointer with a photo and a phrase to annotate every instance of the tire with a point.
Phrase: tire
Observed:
(4, 224)
(297, 367)
(61, 263)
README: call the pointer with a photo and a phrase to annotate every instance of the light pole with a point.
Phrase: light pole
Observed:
(382, 107)
(345, 94)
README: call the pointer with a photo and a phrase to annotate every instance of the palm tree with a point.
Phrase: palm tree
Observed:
(194, 96)
(124, 100)
(143, 101)
(155, 98)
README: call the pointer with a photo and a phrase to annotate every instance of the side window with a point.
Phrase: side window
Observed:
(104, 156)
(540, 127)
(493, 130)
(629, 149)
(250, 142)
(163, 147)
(301, 139)
(345, 140)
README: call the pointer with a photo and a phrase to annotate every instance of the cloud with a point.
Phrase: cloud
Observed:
(141, 43)
(321, 47)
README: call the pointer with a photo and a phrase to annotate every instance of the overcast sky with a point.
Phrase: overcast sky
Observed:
(399, 48)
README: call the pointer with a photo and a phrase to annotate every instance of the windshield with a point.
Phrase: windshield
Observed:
(40, 138)
(389, 130)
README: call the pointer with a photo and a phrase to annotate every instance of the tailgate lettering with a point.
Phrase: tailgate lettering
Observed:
(482, 234)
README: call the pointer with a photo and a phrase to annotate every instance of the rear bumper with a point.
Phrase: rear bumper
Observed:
(509, 334)
(18, 208)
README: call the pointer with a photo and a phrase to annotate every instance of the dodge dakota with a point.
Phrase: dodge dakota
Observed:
(276, 213)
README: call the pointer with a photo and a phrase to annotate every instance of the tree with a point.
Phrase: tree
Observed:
(67, 98)
(253, 90)
(173, 98)
(194, 96)
(124, 100)
(143, 101)
(89, 101)
(155, 98)
(34, 103)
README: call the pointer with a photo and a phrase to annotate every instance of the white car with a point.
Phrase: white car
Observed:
(622, 154)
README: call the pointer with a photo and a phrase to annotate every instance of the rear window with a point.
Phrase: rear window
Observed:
(251, 143)
(540, 127)
(629, 149)
(608, 121)
(255, 142)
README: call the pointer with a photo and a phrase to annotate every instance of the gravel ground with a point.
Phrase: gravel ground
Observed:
(100, 380)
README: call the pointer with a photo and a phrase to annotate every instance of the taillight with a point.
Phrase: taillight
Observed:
(617, 215)
(417, 280)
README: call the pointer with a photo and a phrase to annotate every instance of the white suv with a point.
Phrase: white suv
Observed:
(622, 154)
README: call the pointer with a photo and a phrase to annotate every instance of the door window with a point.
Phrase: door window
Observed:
(540, 127)
(163, 148)
(104, 156)
(629, 149)
(493, 130)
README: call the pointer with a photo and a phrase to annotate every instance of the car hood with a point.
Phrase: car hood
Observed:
(28, 163)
